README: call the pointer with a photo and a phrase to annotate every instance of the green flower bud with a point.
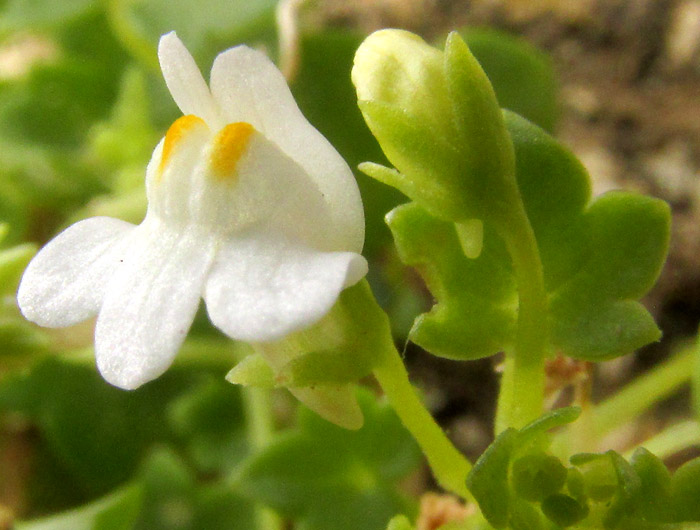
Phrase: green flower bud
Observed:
(437, 119)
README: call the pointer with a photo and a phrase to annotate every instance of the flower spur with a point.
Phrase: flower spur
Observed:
(249, 208)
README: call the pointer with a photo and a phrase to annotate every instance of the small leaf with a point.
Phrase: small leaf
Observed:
(475, 314)
(116, 511)
(654, 497)
(488, 479)
(548, 420)
(400, 522)
(685, 491)
(522, 76)
(252, 371)
(331, 479)
(563, 510)
(598, 259)
(629, 486)
(537, 475)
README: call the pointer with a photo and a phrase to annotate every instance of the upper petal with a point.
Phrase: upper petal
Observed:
(248, 87)
(263, 286)
(150, 303)
(65, 281)
(185, 81)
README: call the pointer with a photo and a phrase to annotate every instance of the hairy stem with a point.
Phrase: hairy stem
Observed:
(521, 398)
(449, 466)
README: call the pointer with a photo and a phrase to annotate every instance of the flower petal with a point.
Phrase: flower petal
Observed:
(150, 303)
(249, 87)
(263, 286)
(185, 81)
(64, 283)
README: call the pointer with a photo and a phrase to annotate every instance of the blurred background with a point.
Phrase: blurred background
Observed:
(82, 104)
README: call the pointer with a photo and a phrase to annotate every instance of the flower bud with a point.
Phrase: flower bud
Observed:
(437, 119)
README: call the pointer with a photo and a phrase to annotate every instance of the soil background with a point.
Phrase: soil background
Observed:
(629, 74)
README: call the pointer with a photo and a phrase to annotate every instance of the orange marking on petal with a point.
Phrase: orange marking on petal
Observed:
(177, 131)
(228, 147)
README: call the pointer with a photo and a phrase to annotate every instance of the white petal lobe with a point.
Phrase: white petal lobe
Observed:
(262, 286)
(65, 282)
(185, 81)
(249, 87)
(150, 304)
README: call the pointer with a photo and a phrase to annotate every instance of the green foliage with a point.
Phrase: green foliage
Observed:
(98, 434)
(33, 14)
(491, 481)
(685, 491)
(116, 511)
(522, 76)
(536, 476)
(331, 479)
(518, 485)
(598, 257)
(207, 27)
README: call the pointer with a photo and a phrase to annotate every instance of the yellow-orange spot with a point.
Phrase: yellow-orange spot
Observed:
(228, 147)
(177, 131)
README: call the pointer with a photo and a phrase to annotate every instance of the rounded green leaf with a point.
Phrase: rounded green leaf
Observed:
(563, 510)
(537, 475)
(685, 491)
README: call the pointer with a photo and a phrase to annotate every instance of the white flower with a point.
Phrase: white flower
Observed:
(249, 207)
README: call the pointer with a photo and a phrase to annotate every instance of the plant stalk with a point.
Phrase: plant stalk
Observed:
(449, 466)
(521, 398)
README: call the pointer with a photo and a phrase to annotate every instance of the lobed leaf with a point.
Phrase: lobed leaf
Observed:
(598, 257)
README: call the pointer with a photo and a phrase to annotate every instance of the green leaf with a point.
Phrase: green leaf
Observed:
(13, 261)
(685, 491)
(97, 432)
(206, 27)
(563, 510)
(400, 522)
(174, 499)
(598, 258)
(629, 486)
(481, 319)
(549, 420)
(536, 476)
(486, 161)
(522, 76)
(36, 14)
(116, 511)
(488, 479)
(252, 371)
(654, 496)
(209, 420)
(330, 478)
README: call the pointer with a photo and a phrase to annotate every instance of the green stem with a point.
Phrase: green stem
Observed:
(673, 439)
(521, 398)
(449, 466)
(260, 430)
(139, 47)
(644, 391)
